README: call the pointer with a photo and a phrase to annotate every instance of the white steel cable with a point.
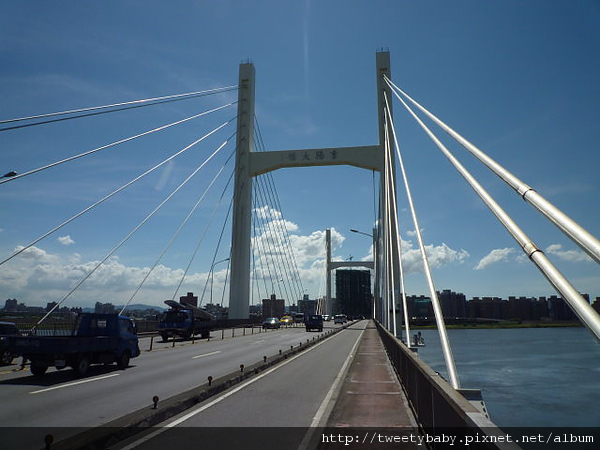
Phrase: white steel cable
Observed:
(277, 234)
(132, 232)
(268, 240)
(215, 209)
(102, 200)
(439, 315)
(211, 274)
(181, 226)
(394, 203)
(580, 306)
(114, 105)
(294, 271)
(585, 240)
(112, 144)
(391, 228)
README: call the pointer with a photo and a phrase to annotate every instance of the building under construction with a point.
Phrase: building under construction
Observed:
(353, 292)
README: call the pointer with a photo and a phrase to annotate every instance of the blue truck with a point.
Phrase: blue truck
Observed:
(96, 339)
(185, 320)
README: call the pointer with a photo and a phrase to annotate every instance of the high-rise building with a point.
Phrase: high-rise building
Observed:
(453, 304)
(353, 292)
(273, 307)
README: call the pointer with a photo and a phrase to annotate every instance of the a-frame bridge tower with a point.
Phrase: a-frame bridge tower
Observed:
(250, 164)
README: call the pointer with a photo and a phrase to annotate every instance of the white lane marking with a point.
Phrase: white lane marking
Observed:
(206, 354)
(334, 387)
(217, 400)
(336, 383)
(75, 383)
(257, 342)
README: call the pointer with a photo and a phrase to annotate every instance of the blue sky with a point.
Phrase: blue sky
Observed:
(518, 79)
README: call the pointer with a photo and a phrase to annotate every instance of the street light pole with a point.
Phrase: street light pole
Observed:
(212, 276)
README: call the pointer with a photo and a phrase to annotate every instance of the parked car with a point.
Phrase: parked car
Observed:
(271, 322)
(7, 329)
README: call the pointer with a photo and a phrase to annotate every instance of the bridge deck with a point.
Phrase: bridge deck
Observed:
(371, 394)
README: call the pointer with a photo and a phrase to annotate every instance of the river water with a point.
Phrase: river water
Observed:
(529, 377)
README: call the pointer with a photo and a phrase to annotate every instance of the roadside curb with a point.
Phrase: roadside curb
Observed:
(126, 427)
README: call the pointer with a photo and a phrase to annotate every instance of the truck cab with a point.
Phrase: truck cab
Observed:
(7, 329)
(184, 320)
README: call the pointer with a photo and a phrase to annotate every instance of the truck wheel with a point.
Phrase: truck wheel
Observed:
(164, 337)
(123, 362)
(82, 366)
(38, 370)
(7, 357)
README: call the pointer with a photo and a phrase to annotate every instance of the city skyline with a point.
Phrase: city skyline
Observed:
(288, 304)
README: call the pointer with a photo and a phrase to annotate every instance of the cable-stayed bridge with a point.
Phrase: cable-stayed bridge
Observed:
(261, 259)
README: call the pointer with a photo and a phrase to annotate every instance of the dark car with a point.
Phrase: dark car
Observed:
(271, 322)
(7, 329)
(314, 322)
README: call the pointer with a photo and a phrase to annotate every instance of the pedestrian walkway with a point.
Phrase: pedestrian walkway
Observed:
(371, 395)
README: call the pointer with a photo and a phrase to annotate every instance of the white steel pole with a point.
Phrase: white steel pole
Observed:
(585, 240)
(581, 307)
(437, 309)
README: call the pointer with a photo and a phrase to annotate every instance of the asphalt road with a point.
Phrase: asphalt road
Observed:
(279, 408)
(41, 405)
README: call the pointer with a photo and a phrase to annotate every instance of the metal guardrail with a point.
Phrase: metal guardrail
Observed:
(437, 405)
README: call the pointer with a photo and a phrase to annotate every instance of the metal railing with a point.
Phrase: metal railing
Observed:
(437, 405)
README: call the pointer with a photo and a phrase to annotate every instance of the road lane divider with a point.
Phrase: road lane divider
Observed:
(206, 354)
(75, 383)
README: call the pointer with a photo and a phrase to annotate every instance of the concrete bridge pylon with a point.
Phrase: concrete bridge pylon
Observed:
(250, 164)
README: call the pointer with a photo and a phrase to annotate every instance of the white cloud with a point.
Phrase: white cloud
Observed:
(495, 256)
(413, 233)
(437, 256)
(567, 255)
(66, 240)
(265, 212)
(34, 254)
(36, 276)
